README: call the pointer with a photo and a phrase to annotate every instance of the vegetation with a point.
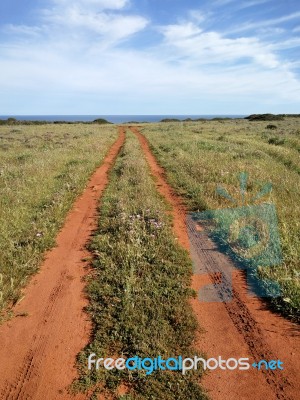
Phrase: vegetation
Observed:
(271, 126)
(265, 117)
(42, 171)
(14, 121)
(170, 120)
(139, 289)
(101, 121)
(276, 140)
(199, 156)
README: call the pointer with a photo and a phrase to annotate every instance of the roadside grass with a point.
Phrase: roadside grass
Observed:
(42, 170)
(139, 289)
(199, 156)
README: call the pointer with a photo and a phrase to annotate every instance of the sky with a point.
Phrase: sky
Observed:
(105, 57)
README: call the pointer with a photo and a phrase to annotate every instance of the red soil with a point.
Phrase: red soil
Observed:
(38, 352)
(240, 328)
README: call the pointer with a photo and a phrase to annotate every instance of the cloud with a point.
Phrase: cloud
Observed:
(265, 23)
(89, 22)
(119, 81)
(179, 32)
(212, 48)
(22, 30)
(94, 16)
(244, 4)
(109, 25)
(290, 43)
(239, 5)
(74, 61)
(198, 16)
(271, 31)
(99, 4)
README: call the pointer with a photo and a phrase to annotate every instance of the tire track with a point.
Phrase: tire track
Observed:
(238, 328)
(239, 313)
(38, 352)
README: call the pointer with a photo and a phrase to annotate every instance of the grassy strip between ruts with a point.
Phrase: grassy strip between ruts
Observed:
(139, 290)
(42, 171)
(200, 156)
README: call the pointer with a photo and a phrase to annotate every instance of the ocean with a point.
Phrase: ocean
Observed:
(116, 119)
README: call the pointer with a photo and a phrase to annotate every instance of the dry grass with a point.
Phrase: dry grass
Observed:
(199, 156)
(42, 170)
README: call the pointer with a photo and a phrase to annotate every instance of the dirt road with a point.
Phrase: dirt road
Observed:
(38, 352)
(242, 327)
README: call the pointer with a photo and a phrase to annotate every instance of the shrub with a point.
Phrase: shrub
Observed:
(101, 121)
(170, 120)
(276, 141)
(270, 126)
(265, 117)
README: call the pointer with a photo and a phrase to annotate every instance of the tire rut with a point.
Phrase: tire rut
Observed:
(38, 352)
(233, 316)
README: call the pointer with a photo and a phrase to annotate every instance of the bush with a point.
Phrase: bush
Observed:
(270, 126)
(101, 121)
(276, 141)
(11, 120)
(265, 117)
(170, 120)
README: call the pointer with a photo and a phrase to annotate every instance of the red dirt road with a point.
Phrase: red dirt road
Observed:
(240, 328)
(38, 352)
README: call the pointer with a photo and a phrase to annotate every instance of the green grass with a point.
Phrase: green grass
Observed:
(42, 170)
(199, 156)
(139, 289)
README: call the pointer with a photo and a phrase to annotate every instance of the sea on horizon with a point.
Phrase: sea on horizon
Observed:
(116, 119)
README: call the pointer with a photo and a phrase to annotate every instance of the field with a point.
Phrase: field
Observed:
(200, 156)
(42, 170)
(118, 279)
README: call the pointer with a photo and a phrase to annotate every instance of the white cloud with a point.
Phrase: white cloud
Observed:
(239, 5)
(265, 23)
(22, 30)
(271, 31)
(112, 26)
(117, 81)
(198, 16)
(290, 43)
(95, 16)
(89, 22)
(176, 32)
(143, 75)
(71, 63)
(212, 47)
(99, 4)
(247, 4)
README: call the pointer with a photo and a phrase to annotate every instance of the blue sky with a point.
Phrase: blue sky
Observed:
(149, 56)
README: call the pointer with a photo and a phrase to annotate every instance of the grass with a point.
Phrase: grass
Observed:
(139, 289)
(199, 156)
(42, 170)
